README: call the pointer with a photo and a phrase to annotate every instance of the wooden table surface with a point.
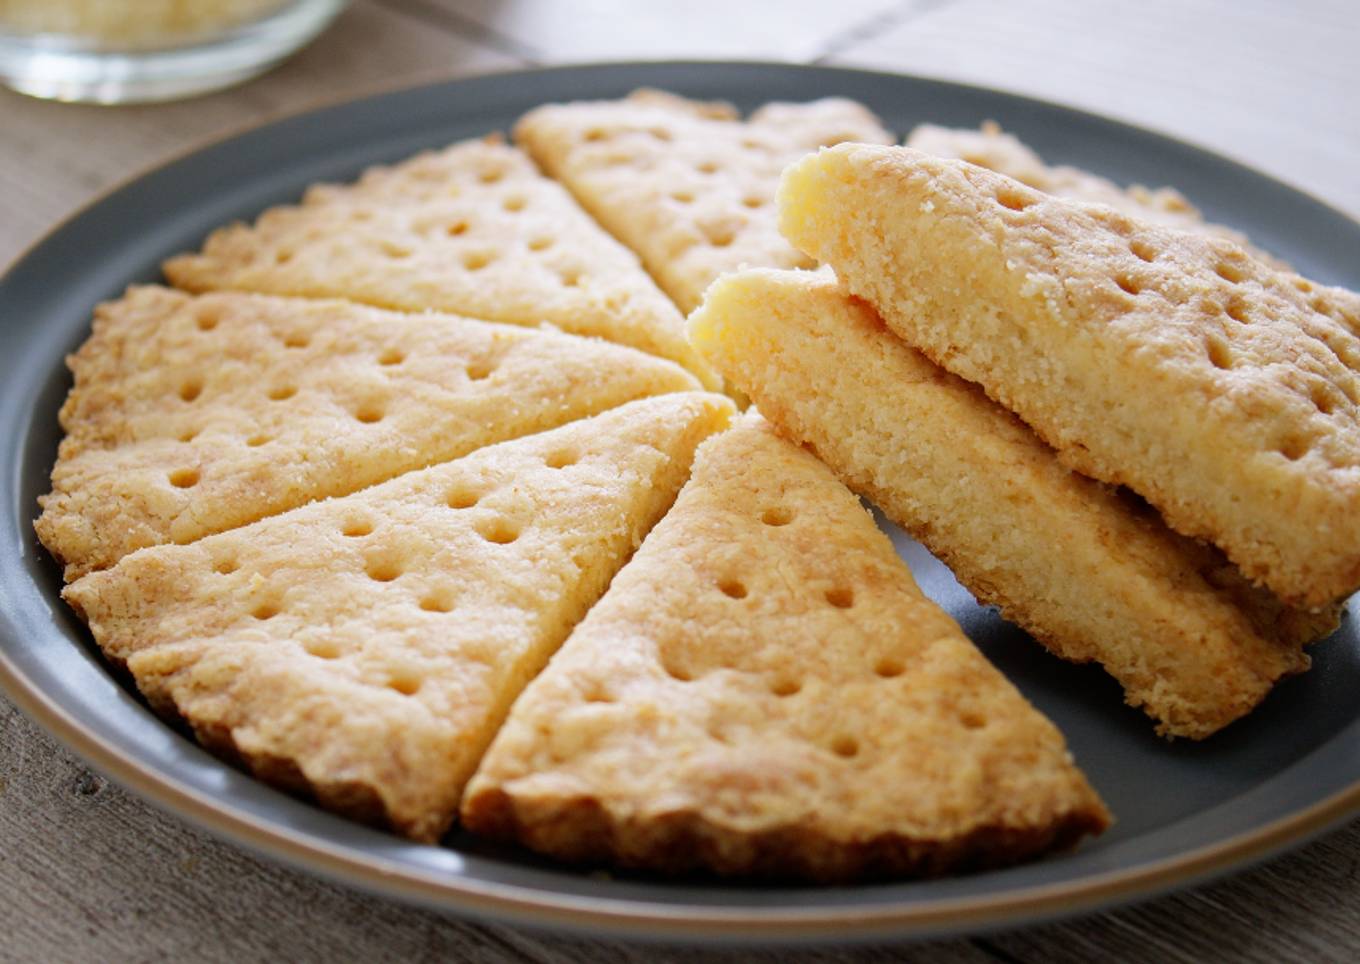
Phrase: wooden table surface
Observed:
(91, 873)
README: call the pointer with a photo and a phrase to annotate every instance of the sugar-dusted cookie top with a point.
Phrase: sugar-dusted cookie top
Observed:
(765, 690)
(993, 148)
(473, 229)
(687, 185)
(364, 649)
(1222, 390)
(191, 415)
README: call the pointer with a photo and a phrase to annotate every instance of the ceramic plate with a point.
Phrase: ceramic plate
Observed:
(1185, 811)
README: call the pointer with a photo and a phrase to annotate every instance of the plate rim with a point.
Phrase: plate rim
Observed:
(637, 918)
(790, 924)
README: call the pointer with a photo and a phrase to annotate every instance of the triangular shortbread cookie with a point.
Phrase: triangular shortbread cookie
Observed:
(472, 229)
(688, 185)
(1223, 391)
(194, 415)
(765, 690)
(364, 649)
(996, 150)
(1081, 567)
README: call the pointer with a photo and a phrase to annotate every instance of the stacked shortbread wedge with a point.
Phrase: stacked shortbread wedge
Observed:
(994, 149)
(989, 342)
(337, 497)
(1084, 568)
(1221, 390)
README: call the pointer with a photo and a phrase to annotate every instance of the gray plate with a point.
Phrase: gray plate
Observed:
(1185, 811)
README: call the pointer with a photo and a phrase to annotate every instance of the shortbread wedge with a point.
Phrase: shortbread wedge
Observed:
(688, 185)
(473, 229)
(764, 690)
(996, 150)
(192, 415)
(1222, 391)
(1089, 571)
(363, 650)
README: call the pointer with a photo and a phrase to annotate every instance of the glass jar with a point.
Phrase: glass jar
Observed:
(131, 51)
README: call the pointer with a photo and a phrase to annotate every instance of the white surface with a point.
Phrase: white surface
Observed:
(1273, 84)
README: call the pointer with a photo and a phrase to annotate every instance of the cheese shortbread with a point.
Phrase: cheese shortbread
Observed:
(688, 185)
(1221, 390)
(472, 229)
(192, 415)
(765, 690)
(1082, 567)
(996, 150)
(365, 649)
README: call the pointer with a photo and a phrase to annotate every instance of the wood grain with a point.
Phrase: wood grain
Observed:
(90, 873)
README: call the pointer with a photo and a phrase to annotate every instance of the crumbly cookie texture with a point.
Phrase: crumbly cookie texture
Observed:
(1221, 390)
(473, 229)
(687, 185)
(363, 650)
(1086, 569)
(193, 415)
(996, 150)
(764, 690)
